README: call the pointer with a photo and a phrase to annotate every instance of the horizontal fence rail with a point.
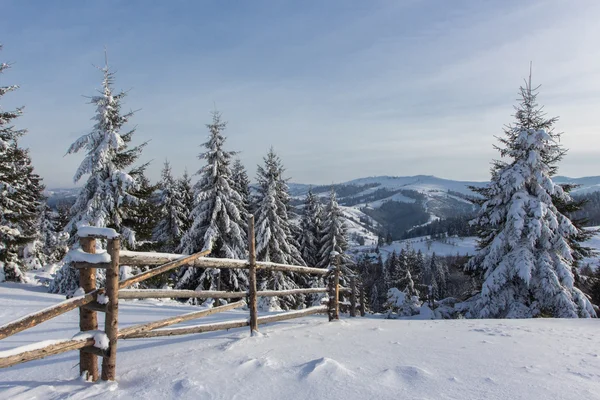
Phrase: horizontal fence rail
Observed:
(209, 294)
(144, 258)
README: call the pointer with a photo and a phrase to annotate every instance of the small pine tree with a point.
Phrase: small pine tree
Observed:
(20, 195)
(168, 231)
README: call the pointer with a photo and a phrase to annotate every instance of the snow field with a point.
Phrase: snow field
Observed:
(310, 358)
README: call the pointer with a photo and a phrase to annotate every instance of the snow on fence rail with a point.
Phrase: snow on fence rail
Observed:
(91, 345)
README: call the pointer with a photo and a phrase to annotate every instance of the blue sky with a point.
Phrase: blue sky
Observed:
(341, 89)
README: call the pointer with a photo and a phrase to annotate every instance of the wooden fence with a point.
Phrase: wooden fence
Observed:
(92, 343)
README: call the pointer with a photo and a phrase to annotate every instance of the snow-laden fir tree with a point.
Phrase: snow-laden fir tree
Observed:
(333, 233)
(49, 244)
(524, 258)
(184, 185)
(20, 194)
(109, 186)
(309, 240)
(310, 229)
(217, 223)
(110, 190)
(169, 229)
(274, 239)
(242, 186)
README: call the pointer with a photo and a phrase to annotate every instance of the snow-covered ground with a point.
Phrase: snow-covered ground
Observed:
(310, 358)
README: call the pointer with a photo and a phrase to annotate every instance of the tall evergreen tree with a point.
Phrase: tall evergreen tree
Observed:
(333, 232)
(242, 186)
(274, 239)
(169, 229)
(109, 187)
(524, 258)
(20, 194)
(217, 221)
(110, 192)
(310, 227)
(184, 185)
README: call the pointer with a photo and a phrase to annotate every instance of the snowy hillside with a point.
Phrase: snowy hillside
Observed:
(441, 247)
(310, 358)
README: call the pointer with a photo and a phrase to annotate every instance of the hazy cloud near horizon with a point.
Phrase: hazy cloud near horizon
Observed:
(341, 89)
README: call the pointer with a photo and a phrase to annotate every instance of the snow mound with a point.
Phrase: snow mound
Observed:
(324, 367)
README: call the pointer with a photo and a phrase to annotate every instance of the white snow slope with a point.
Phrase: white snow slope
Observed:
(310, 358)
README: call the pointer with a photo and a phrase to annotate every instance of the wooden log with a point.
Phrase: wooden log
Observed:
(163, 268)
(88, 363)
(144, 258)
(290, 292)
(252, 297)
(336, 289)
(352, 297)
(45, 351)
(175, 294)
(192, 329)
(111, 322)
(37, 318)
(95, 306)
(362, 300)
(229, 324)
(292, 314)
(208, 294)
(87, 265)
(133, 330)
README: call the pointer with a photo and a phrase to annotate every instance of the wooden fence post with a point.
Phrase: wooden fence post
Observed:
(111, 324)
(88, 321)
(330, 294)
(362, 300)
(252, 277)
(336, 289)
(352, 297)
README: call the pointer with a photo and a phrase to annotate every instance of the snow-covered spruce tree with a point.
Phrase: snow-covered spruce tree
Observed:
(49, 244)
(309, 240)
(333, 233)
(524, 257)
(274, 240)
(218, 224)
(310, 226)
(109, 190)
(242, 186)
(169, 229)
(20, 194)
(187, 198)
(109, 186)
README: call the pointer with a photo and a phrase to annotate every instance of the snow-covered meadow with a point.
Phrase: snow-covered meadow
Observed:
(360, 358)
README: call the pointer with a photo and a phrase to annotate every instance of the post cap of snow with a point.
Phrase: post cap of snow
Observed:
(334, 253)
(94, 232)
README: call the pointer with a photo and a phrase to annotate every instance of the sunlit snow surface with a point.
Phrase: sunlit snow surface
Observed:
(310, 358)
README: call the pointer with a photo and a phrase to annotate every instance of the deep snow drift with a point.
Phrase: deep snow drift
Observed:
(310, 358)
